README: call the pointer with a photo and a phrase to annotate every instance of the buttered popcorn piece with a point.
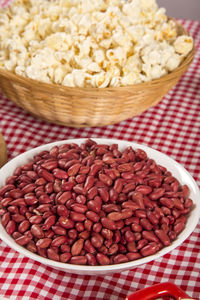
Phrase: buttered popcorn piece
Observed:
(84, 43)
(183, 44)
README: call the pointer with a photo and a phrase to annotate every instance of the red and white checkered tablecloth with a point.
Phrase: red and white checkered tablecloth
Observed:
(173, 127)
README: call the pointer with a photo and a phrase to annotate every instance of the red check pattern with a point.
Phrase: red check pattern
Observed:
(173, 127)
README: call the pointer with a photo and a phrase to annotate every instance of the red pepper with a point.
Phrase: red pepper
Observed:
(159, 290)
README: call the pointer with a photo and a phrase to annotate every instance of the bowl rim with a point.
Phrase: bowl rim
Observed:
(152, 153)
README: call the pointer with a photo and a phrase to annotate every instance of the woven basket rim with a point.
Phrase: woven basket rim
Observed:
(43, 85)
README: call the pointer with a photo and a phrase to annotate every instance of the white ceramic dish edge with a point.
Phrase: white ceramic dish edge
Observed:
(177, 170)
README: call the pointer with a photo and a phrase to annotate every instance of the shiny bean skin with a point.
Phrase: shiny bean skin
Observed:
(93, 204)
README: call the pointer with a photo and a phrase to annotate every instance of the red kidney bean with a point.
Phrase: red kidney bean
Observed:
(103, 249)
(113, 249)
(129, 236)
(97, 240)
(5, 219)
(107, 234)
(144, 189)
(89, 182)
(73, 170)
(65, 222)
(120, 258)
(136, 227)
(18, 218)
(115, 216)
(110, 208)
(188, 203)
(49, 222)
(172, 235)
(59, 230)
(149, 249)
(79, 208)
(65, 257)
(23, 226)
(10, 227)
(59, 240)
(84, 234)
(65, 248)
(178, 227)
(43, 243)
(81, 199)
(178, 204)
(130, 204)
(79, 189)
(5, 201)
(133, 256)
(118, 185)
(126, 213)
(91, 259)
(16, 235)
(50, 165)
(18, 202)
(84, 170)
(94, 169)
(78, 260)
(140, 213)
(23, 240)
(49, 188)
(31, 247)
(12, 209)
(93, 200)
(102, 259)
(186, 191)
(89, 247)
(94, 206)
(77, 217)
(103, 192)
(131, 246)
(79, 226)
(113, 195)
(151, 216)
(46, 175)
(157, 194)
(77, 247)
(51, 253)
(42, 252)
(107, 223)
(162, 235)
(150, 236)
(37, 231)
(145, 224)
(92, 193)
(72, 233)
(80, 178)
(128, 187)
(97, 227)
(141, 243)
(6, 188)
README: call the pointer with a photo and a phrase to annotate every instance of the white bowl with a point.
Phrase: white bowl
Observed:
(177, 170)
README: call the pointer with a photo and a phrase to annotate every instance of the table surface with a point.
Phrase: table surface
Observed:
(173, 127)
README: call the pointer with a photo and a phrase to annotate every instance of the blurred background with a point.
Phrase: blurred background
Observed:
(182, 9)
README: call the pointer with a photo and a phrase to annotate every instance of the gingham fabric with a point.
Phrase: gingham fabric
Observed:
(173, 127)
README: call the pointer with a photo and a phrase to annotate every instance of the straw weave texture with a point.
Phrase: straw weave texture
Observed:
(88, 107)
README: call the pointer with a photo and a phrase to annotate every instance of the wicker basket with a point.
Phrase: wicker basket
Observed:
(88, 107)
(3, 151)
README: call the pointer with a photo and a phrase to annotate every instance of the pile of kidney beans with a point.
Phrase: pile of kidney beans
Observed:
(93, 204)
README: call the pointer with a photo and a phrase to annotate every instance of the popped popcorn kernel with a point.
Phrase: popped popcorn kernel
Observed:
(84, 43)
(183, 44)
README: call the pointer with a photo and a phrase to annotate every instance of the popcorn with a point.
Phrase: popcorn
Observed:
(84, 43)
(183, 44)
